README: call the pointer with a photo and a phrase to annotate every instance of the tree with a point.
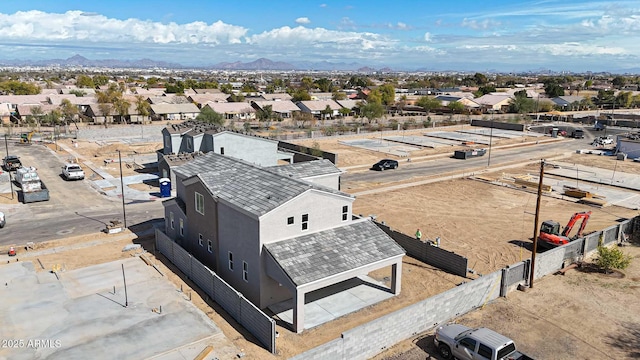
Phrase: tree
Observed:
(143, 107)
(324, 84)
(301, 118)
(19, 88)
(483, 90)
(338, 95)
(300, 95)
(619, 81)
(265, 114)
(612, 258)
(480, 79)
(624, 99)
(121, 106)
(387, 94)
(456, 107)
(372, 111)
(84, 81)
(521, 105)
(209, 115)
(326, 113)
(344, 111)
(68, 110)
(77, 93)
(36, 112)
(553, 90)
(428, 103)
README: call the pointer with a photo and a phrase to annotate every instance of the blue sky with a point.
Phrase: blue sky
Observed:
(471, 35)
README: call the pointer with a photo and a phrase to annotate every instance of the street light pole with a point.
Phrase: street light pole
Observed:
(490, 141)
(124, 212)
(6, 146)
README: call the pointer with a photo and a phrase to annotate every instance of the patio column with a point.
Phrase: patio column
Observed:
(298, 311)
(396, 277)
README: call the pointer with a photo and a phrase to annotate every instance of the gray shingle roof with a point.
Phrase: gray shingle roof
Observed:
(246, 186)
(305, 169)
(315, 256)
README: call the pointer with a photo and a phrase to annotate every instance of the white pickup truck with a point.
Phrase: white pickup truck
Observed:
(72, 172)
(464, 343)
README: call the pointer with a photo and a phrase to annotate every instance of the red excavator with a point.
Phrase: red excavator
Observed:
(550, 235)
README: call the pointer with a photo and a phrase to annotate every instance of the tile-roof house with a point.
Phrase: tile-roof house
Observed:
(283, 108)
(490, 102)
(174, 111)
(240, 111)
(316, 107)
(272, 235)
(566, 101)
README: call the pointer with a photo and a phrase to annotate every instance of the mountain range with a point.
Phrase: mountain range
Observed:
(259, 64)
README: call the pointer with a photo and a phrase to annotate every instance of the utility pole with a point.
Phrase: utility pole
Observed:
(490, 141)
(124, 212)
(535, 229)
(6, 146)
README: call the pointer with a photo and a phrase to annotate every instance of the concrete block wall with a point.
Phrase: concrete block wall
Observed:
(253, 319)
(610, 234)
(258, 324)
(202, 276)
(435, 256)
(591, 242)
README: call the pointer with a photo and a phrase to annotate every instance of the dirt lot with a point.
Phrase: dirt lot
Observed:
(489, 224)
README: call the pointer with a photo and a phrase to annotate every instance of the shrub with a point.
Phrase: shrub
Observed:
(612, 258)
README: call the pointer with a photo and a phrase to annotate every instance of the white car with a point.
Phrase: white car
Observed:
(2, 220)
(72, 172)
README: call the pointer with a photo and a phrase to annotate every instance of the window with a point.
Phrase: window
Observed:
(199, 203)
(209, 246)
(181, 227)
(200, 239)
(468, 343)
(245, 271)
(484, 351)
(189, 143)
(222, 151)
(305, 221)
(171, 220)
(230, 261)
(345, 213)
(290, 220)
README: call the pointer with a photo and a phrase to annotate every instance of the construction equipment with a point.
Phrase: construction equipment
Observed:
(550, 235)
(25, 138)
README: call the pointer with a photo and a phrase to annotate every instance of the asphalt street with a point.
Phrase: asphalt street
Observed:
(74, 208)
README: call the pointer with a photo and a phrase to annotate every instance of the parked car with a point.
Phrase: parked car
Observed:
(72, 172)
(385, 164)
(11, 163)
(3, 221)
(462, 342)
(602, 140)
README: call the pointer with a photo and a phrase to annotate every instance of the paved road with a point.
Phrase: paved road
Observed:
(74, 208)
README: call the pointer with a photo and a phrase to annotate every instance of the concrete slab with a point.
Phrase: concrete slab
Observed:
(499, 133)
(612, 196)
(596, 175)
(330, 303)
(450, 135)
(421, 141)
(386, 147)
(75, 318)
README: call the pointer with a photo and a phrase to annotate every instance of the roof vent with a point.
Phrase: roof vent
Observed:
(268, 196)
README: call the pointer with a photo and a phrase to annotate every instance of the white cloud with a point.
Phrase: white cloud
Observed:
(300, 36)
(428, 37)
(303, 20)
(479, 25)
(76, 25)
(402, 26)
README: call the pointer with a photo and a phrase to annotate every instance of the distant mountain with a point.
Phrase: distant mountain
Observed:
(78, 60)
(260, 64)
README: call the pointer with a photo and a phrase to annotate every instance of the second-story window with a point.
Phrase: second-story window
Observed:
(345, 213)
(199, 203)
(200, 239)
(209, 246)
(171, 220)
(230, 261)
(181, 227)
(305, 221)
(290, 220)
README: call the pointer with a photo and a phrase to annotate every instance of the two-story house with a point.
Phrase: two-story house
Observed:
(275, 233)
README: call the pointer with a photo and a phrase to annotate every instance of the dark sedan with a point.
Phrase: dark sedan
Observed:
(385, 164)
